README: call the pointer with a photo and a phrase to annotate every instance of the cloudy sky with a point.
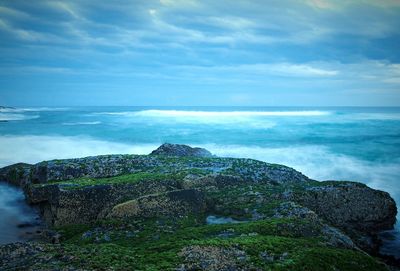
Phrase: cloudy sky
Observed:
(200, 52)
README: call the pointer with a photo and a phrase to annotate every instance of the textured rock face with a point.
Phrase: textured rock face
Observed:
(214, 259)
(18, 256)
(173, 203)
(93, 167)
(212, 180)
(62, 206)
(351, 206)
(17, 174)
(180, 150)
(331, 235)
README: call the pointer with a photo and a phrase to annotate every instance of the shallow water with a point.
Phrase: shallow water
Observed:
(212, 220)
(19, 221)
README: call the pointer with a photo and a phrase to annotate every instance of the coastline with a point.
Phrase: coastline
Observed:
(63, 194)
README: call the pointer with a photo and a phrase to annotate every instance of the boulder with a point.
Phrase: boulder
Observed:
(180, 150)
(172, 204)
(351, 206)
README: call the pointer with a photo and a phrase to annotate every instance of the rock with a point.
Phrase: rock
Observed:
(359, 211)
(19, 256)
(180, 150)
(172, 204)
(212, 258)
(331, 235)
(32, 256)
(351, 206)
(17, 174)
(215, 180)
(177, 180)
(60, 206)
(267, 257)
(283, 256)
(336, 238)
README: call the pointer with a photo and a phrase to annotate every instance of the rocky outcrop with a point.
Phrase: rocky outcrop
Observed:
(17, 174)
(180, 150)
(61, 205)
(169, 204)
(351, 206)
(331, 235)
(92, 167)
(177, 180)
(105, 166)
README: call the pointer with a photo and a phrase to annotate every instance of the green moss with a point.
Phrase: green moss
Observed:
(122, 179)
(157, 243)
(13, 175)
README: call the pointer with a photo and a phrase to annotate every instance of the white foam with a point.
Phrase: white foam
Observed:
(12, 116)
(33, 149)
(31, 109)
(82, 123)
(376, 116)
(234, 119)
(208, 114)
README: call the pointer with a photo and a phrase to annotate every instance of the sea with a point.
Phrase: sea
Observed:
(325, 143)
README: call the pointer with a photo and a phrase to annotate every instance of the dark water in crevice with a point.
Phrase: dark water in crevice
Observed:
(18, 221)
(391, 242)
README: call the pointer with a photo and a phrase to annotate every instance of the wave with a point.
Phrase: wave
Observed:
(208, 114)
(31, 109)
(12, 117)
(82, 123)
(239, 119)
(377, 116)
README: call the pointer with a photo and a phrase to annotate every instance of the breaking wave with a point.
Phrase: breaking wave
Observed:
(208, 114)
(82, 123)
(12, 117)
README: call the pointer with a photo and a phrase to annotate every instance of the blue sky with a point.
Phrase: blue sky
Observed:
(188, 52)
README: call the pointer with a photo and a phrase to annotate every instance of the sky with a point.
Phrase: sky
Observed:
(196, 53)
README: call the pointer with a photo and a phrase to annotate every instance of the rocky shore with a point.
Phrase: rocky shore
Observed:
(149, 212)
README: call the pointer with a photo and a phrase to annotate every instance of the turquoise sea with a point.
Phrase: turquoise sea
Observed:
(325, 143)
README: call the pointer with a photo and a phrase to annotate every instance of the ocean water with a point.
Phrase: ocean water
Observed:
(329, 143)
(18, 221)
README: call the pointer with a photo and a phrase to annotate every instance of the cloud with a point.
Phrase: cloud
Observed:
(248, 45)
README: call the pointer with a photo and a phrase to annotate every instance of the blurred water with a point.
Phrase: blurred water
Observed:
(18, 221)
